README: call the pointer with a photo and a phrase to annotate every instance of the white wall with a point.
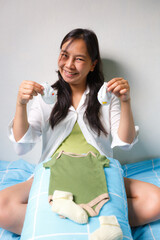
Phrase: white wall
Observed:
(129, 37)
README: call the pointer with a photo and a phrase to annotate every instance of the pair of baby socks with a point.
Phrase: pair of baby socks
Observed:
(50, 97)
(63, 204)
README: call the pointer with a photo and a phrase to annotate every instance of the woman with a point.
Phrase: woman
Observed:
(80, 78)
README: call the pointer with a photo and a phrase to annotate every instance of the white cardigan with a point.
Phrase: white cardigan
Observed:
(51, 139)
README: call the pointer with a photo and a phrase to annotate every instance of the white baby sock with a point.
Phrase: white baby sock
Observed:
(104, 97)
(49, 95)
(63, 205)
(109, 229)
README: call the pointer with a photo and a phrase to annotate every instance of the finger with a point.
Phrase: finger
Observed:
(38, 88)
(123, 91)
(122, 83)
(115, 85)
(120, 89)
(27, 92)
(34, 86)
(27, 97)
(113, 80)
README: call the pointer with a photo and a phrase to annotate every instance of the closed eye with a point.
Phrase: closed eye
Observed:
(64, 55)
(79, 59)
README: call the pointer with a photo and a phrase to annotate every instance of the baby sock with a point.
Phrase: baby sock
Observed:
(104, 97)
(49, 95)
(109, 229)
(63, 205)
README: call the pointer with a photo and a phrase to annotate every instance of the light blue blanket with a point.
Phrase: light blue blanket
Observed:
(149, 171)
(12, 173)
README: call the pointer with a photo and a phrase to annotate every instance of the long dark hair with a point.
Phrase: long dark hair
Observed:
(95, 79)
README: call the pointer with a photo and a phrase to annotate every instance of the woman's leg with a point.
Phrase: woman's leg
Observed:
(143, 202)
(13, 204)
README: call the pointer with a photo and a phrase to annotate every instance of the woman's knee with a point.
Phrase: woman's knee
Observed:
(11, 198)
(143, 201)
(153, 203)
(7, 207)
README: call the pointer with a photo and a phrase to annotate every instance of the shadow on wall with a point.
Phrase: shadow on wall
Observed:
(112, 69)
(139, 152)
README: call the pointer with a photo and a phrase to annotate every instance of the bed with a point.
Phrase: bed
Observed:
(39, 214)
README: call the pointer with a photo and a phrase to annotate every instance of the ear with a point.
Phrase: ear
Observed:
(93, 65)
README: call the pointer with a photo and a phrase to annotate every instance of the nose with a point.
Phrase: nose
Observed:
(70, 63)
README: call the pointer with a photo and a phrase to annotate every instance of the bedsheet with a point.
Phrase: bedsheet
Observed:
(148, 170)
(12, 173)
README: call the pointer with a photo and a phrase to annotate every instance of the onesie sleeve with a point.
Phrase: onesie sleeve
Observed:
(50, 163)
(103, 160)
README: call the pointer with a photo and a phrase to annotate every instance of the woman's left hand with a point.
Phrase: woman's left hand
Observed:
(120, 88)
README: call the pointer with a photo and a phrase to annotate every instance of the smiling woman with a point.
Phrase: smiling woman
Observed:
(76, 111)
(80, 66)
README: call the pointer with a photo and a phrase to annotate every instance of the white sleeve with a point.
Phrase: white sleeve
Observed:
(115, 119)
(32, 136)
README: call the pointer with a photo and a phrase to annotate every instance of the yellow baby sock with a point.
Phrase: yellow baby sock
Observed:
(63, 205)
(109, 229)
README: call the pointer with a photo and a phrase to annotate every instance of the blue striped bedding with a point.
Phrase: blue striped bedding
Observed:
(12, 173)
(149, 171)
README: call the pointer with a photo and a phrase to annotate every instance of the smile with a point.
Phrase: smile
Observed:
(69, 73)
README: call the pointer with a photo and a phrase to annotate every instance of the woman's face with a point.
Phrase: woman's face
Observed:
(74, 62)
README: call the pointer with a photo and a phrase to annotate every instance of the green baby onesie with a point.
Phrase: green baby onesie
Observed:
(82, 175)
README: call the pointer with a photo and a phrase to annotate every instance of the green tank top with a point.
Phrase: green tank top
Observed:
(76, 143)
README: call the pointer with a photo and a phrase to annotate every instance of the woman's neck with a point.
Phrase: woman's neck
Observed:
(77, 92)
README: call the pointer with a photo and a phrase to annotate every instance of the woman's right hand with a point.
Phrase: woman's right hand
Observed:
(27, 90)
